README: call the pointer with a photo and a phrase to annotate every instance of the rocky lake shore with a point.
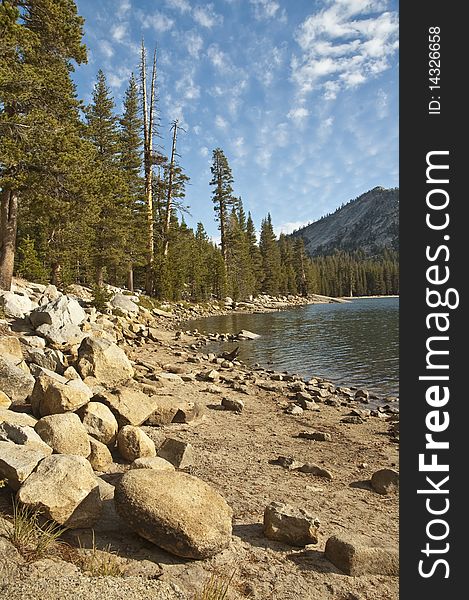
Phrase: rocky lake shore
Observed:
(171, 468)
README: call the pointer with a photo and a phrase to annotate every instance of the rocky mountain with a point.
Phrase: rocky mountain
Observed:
(369, 223)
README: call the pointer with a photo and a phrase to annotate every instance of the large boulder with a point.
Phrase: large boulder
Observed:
(124, 303)
(59, 312)
(65, 489)
(60, 397)
(64, 433)
(15, 305)
(133, 443)
(129, 406)
(14, 381)
(18, 462)
(100, 458)
(16, 418)
(58, 320)
(103, 360)
(49, 358)
(176, 511)
(99, 422)
(294, 526)
(5, 402)
(23, 435)
(10, 344)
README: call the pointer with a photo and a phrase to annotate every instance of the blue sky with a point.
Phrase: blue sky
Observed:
(302, 95)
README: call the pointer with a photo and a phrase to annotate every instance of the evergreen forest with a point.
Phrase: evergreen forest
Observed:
(88, 197)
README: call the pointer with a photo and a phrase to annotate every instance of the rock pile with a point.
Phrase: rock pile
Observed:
(71, 403)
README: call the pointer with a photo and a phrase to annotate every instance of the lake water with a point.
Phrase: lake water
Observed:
(351, 344)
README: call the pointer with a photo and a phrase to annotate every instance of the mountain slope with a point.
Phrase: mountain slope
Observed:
(369, 223)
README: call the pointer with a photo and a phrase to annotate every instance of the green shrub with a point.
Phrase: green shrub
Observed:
(101, 297)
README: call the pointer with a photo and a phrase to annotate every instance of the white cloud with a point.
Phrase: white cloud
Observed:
(194, 43)
(382, 104)
(298, 114)
(187, 87)
(123, 8)
(119, 32)
(204, 151)
(106, 48)
(181, 5)
(116, 78)
(265, 9)
(206, 16)
(221, 122)
(158, 20)
(239, 146)
(263, 157)
(217, 57)
(197, 129)
(344, 45)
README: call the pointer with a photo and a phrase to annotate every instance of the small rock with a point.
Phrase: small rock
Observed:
(244, 334)
(100, 458)
(170, 377)
(294, 526)
(362, 396)
(233, 405)
(352, 420)
(385, 481)
(317, 436)
(133, 443)
(287, 462)
(315, 470)
(64, 433)
(294, 409)
(180, 454)
(355, 559)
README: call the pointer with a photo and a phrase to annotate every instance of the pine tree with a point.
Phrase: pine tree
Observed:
(29, 266)
(38, 109)
(254, 254)
(270, 253)
(222, 195)
(240, 277)
(287, 271)
(130, 145)
(111, 212)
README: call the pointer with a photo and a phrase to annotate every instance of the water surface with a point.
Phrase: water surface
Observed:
(352, 344)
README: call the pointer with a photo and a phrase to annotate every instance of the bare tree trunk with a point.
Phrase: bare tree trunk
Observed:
(130, 278)
(55, 273)
(8, 227)
(148, 123)
(170, 191)
(100, 276)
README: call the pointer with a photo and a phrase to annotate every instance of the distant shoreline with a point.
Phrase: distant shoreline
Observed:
(365, 297)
